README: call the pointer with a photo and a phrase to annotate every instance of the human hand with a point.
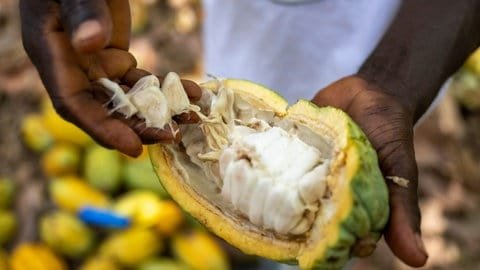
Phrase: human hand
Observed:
(72, 43)
(388, 125)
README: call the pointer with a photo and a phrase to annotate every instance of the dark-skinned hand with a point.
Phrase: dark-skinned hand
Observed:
(388, 125)
(72, 43)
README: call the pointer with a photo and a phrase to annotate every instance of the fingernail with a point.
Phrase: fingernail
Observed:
(420, 244)
(87, 30)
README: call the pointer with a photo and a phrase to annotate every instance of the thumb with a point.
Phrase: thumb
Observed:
(402, 233)
(390, 130)
(88, 23)
(391, 133)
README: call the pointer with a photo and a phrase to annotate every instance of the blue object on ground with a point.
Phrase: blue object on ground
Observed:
(103, 218)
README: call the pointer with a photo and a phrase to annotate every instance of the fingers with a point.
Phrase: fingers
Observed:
(339, 94)
(194, 92)
(187, 118)
(390, 130)
(147, 135)
(396, 155)
(109, 63)
(88, 114)
(168, 135)
(88, 23)
(120, 14)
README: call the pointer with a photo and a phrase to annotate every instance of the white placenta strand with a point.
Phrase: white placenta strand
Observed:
(273, 178)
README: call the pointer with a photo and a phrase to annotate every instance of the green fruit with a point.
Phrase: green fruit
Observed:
(8, 224)
(7, 190)
(466, 89)
(297, 184)
(66, 234)
(139, 174)
(162, 264)
(103, 168)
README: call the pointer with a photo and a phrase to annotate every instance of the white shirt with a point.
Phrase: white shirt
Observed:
(295, 49)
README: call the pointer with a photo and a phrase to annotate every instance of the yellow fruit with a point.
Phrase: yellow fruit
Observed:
(132, 247)
(102, 168)
(473, 62)
(60, 129)
(61, 159)
(66, 234)
(31, 256)
(162, 264)
(139, 12)
(169, 218)
(8, 226)
(7, 190)
(198, 250)
(34, 133)
(298, 184)
(99, 263)
(3, 260)
(71, 193)
(146, 209)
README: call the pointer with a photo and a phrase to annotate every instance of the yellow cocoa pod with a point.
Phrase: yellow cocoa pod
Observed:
(71, 193)
(132, 247)
(99, 263)
(66, 234)
(198, 250)
(162, 264)
(8, 224)
(146, 209)
(61, 159)
(139, 12)
(34, 133)
(3, 260)
(473, 62)
(60, 129)
(311, 206)
(7, 190)
(30, 256)
(141, 206)
(169, 218)
(102, 168)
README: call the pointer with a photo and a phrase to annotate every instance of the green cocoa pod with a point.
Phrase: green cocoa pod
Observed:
(103, 168)
(66, 234)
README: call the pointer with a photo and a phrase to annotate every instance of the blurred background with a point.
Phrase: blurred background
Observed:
(49, 169)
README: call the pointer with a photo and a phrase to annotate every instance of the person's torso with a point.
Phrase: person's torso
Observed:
(293, 46)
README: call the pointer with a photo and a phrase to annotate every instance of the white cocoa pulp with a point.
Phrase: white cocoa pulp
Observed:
(262, 168)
